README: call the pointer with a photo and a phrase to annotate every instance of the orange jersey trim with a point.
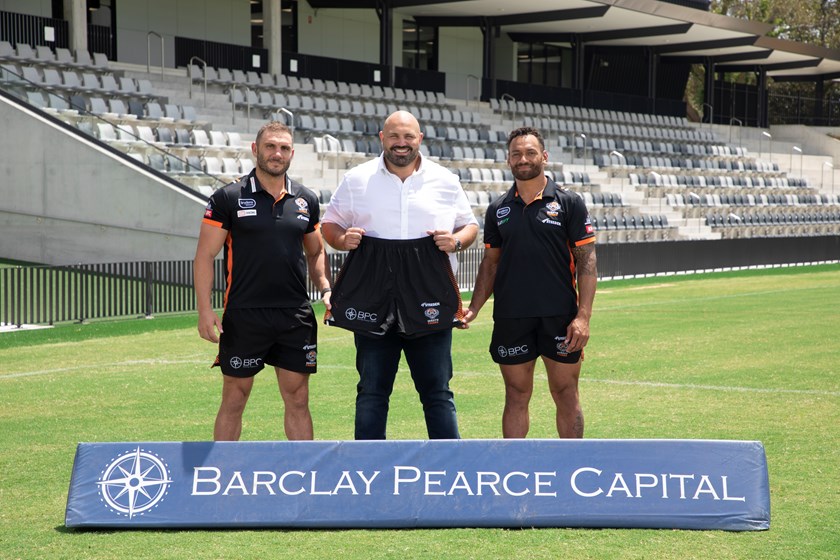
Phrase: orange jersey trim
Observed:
(586, 241)
(210, 222)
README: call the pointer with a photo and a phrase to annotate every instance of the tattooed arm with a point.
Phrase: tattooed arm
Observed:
(577, 335)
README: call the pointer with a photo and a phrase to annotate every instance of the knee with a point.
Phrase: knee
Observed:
(518, 395)
(297, 397)
(234, 402)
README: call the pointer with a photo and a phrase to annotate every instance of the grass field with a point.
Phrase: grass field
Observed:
(752, 355)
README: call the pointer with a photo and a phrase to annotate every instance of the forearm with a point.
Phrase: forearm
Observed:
(587, 279)
(334, 235)
(466, 234)
(318, 268)
(203, 283)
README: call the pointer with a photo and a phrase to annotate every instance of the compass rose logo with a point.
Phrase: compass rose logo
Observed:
(134, 483)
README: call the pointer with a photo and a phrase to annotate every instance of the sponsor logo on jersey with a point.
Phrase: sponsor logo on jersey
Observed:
(244, 213)
(432, 315)
(303, 206)
(208, 211)
(502, 212)
(247, 203)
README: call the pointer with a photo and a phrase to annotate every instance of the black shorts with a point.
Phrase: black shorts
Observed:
(402, 285)
(517, 341)
(281, 337)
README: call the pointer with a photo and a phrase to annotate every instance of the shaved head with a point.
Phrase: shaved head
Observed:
(401, 118)
(401, 137)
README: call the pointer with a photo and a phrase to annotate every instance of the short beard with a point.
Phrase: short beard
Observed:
(262, 163)
(527, 173)
(401, 161)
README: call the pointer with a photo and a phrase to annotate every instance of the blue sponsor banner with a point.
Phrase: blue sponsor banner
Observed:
(677, 484)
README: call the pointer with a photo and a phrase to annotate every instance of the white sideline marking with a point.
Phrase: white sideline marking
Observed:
(14, 328)
(689, 386)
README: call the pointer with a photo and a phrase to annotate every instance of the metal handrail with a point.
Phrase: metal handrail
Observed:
(204, 69)
(511, 98)
(233, 88)
(624, 165)
(740, 124)
(291, 117)
(468, 87)
(327, 138)
(149, 52)
(711, 112)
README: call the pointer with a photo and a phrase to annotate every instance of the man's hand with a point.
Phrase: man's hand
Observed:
(353, 237)
(445, 240)
(577, 334)
(208, 324)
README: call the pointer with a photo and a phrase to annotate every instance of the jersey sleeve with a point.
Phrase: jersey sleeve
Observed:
(217, 213)
(314, 213)
(580, 230)
(492, 237)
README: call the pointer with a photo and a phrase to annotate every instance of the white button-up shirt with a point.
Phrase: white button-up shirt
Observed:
(373, 198)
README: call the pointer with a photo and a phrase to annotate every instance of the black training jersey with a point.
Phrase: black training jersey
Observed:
(536, 272)
(264, 262)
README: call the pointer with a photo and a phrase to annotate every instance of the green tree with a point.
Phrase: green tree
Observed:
(814, 22)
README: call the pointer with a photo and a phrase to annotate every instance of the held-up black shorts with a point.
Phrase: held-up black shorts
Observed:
(402, 285)
(517, 341)
(254, 338)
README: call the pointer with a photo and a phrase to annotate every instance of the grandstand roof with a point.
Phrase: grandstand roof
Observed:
(671, 30)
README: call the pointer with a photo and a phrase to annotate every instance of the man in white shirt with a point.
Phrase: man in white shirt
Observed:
(402, 217)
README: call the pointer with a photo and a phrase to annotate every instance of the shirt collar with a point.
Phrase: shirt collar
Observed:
(254, 183)
(549, 190)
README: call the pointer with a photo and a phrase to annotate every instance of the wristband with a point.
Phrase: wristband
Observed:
(325, 291)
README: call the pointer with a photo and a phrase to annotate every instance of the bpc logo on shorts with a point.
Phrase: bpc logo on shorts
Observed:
(366, 316)
(236, 362)
(515, 351)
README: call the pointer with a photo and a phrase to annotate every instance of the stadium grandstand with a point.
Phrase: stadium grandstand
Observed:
(121, 117)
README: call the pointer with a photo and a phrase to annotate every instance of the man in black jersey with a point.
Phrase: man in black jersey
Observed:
(269, 227)
(539, 261)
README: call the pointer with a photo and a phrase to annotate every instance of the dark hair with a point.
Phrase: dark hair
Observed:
(274, 126)
(525, 131)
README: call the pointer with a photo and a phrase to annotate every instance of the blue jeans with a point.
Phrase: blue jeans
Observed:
(429, 359)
